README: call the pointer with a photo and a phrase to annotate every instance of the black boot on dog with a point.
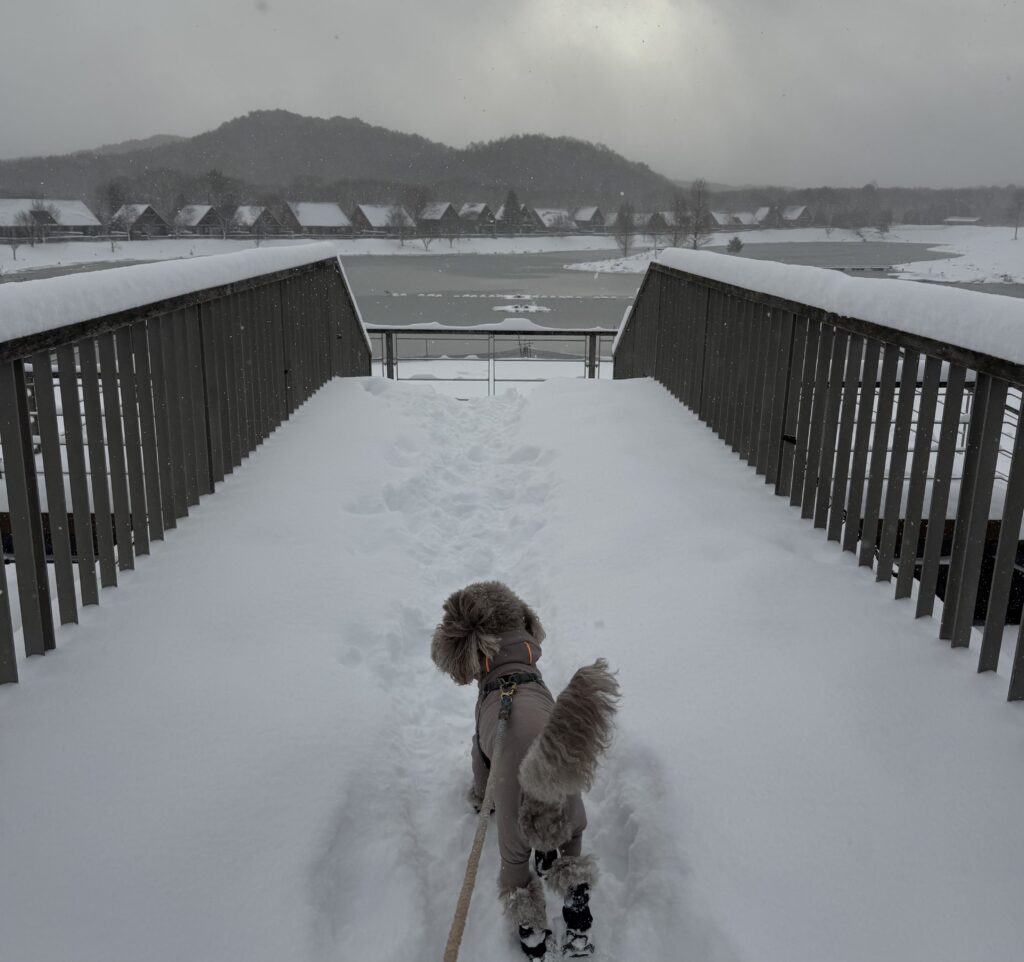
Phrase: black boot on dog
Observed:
(576, 912)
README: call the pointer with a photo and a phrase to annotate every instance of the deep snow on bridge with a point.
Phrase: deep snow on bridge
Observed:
(245, 752)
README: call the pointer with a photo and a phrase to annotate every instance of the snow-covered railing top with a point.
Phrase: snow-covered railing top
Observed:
(982, 324)
(30, 308)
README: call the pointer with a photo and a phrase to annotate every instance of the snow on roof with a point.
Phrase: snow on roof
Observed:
(379, 215)
(585, 214)
(554, 216)
(128, 214)
(720, 217)
(792, 213)
(436, 210)
(962, 220)
(745, 218)
(472, 211)
(761, 214)
(988, 323)
(70, 213)
(191, 214)
(30, 307)
(247, 215)
(318, 214)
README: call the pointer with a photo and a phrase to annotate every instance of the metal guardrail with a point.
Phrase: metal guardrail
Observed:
(157, 404)
(489, 357)
(841, 416)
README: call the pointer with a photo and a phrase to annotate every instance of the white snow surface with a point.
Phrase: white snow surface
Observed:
(981, 322)
(30, 307)
(246, 753)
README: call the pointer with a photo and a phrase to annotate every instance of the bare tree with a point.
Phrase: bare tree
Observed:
(46, 216)
(24, 221)
(624, 230)
(398, 222)
(698, 230)
(680, 217)
(13, 241)
(1016, 208)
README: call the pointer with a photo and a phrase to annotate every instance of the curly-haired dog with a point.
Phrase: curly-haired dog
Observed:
(550, 756)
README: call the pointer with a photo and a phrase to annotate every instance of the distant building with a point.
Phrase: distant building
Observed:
(140, 220)
(527, 222)
(589, 219)
(720, 219)
(254, 219)
(49, 217)
(305, 217)
(439, 219)
(557, 220)
(797, 216)
(476, 218)
(380, 219)
(201, 219)
(962, 221)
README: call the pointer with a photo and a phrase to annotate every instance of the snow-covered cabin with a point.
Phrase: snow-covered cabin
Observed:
(254, 219)
(307, 217)
(556, 219)
(140, 220)
(202, 219)
(720, 218)
(796, 216)
(476, 218)
(381, 219)
(528, 220)
(962, 221)
(50, 216)
(439, 219)
(589, 219)
(744, 218)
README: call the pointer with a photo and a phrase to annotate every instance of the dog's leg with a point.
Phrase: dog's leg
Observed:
(526, 910)
(572, 877)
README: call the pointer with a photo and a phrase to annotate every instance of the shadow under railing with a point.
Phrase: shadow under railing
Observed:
(883, 413)
(127, 394)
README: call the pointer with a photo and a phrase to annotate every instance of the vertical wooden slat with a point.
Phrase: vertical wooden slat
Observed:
(827, 457)
(780, 395)
(950, 428)
(115, 451)
(844, 442)
(23, 505)
(98, 476)
(74, 447)
(897, 465)
(147, 430)
(798, 347)
(162, 416)
(879, 454)
(204, 483)
(183, 408)
(803, 425)
(816, 427)
(862, 439)
(132, 439)
(918, 477)
(53, 477)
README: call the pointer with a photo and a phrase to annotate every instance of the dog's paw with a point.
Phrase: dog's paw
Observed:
(476, 801)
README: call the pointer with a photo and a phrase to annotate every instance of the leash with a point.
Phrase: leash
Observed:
(507, 687)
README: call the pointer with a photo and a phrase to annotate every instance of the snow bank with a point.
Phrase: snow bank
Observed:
(986, 323)
(34, 306)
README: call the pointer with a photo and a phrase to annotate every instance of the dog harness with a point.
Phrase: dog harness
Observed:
(517, 678)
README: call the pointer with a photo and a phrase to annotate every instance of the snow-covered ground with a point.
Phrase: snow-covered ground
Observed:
(976, 254)
(168, 248)
(245, 751)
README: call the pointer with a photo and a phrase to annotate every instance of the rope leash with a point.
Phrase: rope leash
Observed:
(451, 951)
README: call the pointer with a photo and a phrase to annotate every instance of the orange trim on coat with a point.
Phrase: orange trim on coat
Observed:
(529, 651)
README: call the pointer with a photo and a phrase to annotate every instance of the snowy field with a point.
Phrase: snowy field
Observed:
(245, 752)
(168, 248)
(977, 254)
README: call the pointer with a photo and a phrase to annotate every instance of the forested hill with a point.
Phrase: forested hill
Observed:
(277, 150)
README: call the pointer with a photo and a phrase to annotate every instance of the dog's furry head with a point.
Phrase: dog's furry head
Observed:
(474, 616)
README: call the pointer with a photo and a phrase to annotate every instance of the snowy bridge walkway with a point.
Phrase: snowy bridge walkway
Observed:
(245, 752)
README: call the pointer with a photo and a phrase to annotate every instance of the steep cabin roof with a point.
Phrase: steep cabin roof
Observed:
(555, 217)
(793, 213)
(437, 211)
(378, 215)
(720, 218)
(317, 214)
(474, 212)
(128, 214)
(191, 215)
(745, 218)
(585, 215)
(761, 214)
(70, 213)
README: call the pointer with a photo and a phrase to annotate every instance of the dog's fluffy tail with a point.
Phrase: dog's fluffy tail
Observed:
(563, 759)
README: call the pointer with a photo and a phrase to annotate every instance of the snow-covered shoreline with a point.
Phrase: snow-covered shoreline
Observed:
(66, 254)
(976, 255)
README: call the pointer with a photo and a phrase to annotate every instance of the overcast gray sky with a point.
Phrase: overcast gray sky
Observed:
(789, 92)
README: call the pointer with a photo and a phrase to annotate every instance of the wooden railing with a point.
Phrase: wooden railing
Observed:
(131, 411)
(904, 448)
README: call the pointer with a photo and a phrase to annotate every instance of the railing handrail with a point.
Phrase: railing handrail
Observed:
(38, 315)
(967, 350)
